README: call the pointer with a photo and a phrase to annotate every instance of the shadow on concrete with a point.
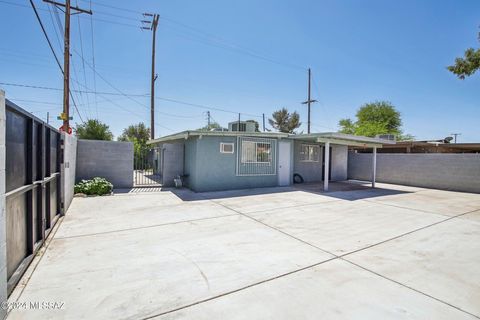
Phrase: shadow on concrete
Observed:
(348, 190)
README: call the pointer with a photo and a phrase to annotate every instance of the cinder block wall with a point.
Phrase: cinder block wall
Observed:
(68, 169)
(111, 160)
(3, 237)
(458, 172)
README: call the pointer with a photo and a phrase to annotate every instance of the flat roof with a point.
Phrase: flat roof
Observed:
(195, 133)
(332, 137)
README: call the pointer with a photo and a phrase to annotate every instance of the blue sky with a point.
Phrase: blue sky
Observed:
(251, 57)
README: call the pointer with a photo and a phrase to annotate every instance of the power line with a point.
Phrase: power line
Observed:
(207, 39)
(57, 25)
(93, 61)
(51, 48)
(45, 34)
(206, 107)
(60, 28)
(114, 7)
(83, 64)
(58, 89)
(195, 105)
(218, 41)
(165, 99)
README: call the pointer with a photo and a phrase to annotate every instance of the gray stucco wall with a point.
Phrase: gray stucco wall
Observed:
(3, 238)
(310, 171)
(339, 164)
(172, 163)
(68, 169)
(210, 170)
(190, 162)
(111, 160)
(460, 172)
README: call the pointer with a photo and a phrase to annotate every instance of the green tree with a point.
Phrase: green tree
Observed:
(347, 126)
(466, 66)
(284, 121)
(93, 130)
(213, 125)
(139, 134)
(373, 119)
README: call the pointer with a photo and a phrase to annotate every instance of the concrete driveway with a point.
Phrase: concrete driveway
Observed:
(282, 253)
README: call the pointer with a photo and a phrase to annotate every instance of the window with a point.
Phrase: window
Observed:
(256, 152)
(310, 153)
(226, 147)
(256, 156)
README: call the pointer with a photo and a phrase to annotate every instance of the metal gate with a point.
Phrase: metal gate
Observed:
(33, 202)
(146, 168)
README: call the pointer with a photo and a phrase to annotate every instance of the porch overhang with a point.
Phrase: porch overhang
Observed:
(343, 139)
(329, 138)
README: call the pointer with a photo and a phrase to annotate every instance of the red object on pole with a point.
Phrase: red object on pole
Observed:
(62, 130)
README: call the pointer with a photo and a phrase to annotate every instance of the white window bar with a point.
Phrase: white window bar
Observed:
(256, 156)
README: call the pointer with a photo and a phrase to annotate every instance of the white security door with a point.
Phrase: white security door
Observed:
(284, 163)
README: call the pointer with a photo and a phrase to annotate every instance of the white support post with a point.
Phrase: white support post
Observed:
(3, 237)
(327, 166)
(374, 166)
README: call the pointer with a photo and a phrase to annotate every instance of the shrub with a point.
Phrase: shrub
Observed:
(96, 186)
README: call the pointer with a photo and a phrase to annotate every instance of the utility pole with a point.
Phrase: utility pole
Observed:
(153, 27)
(309, 99)
(263, 117)
(66, 58)
(48, 117)
(208, 120)
(455, 136)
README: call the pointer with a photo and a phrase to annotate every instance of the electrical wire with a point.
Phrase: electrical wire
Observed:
(83, 63)
(51, 47)
(45, 34)
(93, 60)
(58, 23)
(195, 105)
(208, 38)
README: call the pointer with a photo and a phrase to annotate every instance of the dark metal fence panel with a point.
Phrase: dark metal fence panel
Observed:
(33, 155)
(145, 168)
(16, 157)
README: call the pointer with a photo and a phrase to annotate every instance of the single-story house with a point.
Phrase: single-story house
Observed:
(223, 160)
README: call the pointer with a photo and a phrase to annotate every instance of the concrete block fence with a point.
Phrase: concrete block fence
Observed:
(447, 171)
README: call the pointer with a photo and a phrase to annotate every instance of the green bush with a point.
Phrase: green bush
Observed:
(96, 186)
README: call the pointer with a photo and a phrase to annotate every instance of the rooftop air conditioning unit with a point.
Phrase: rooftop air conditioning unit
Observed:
(242, 126)
(390, 137)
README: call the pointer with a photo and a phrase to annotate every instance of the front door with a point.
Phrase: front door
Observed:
(284, 162)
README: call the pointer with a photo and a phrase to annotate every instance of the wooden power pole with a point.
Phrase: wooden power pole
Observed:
(153, 27)
(66, 58)
(309, 99)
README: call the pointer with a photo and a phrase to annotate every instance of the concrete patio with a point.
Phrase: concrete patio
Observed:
(393, 252)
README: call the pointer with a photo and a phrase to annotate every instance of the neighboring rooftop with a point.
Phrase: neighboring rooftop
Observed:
(426, 146)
